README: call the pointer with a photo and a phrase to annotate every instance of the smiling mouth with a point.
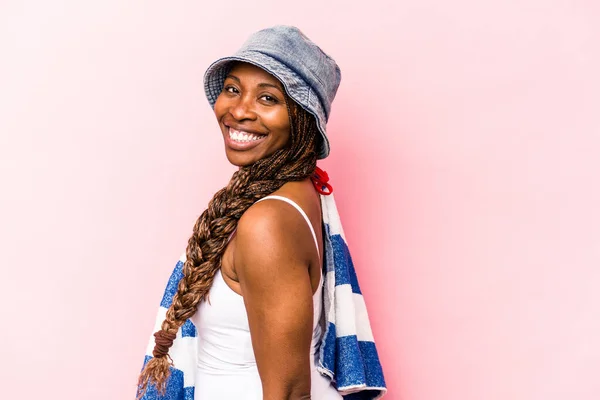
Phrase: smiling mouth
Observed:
(244, 137)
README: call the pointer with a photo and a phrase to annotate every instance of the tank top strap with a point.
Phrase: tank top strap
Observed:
(301, 211)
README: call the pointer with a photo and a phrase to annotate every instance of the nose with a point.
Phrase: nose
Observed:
(243, 108)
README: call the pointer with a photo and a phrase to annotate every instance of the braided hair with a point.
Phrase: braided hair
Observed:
(213, 228)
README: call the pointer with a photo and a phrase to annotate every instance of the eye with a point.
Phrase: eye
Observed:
(269, 99)
(230, 89)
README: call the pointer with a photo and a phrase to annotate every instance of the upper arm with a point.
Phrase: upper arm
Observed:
(272, 268)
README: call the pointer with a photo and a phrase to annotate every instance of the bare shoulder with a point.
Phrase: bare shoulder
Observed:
(276, 229)
(268, 224)
(273, 214)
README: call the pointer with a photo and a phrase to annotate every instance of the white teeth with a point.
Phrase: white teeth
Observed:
(241, 136)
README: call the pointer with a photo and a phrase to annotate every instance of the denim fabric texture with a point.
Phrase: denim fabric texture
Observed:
(310, 77)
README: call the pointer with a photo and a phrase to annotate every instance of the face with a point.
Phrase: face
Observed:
(252, 113)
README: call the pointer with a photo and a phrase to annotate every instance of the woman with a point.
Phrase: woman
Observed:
(252, 277)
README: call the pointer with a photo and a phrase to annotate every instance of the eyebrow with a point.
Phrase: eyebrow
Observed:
(263, 84)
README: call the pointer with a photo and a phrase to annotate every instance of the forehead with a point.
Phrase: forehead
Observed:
(252, 73)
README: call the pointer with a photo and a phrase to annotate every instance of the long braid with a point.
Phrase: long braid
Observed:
(215, 225)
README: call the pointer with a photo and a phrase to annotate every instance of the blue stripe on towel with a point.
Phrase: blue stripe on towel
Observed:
(188, 329)
(172, 285)
(328, 348)
(361, 367)
(374, 372)
(188, 393)
(344, 267)
(349, 364)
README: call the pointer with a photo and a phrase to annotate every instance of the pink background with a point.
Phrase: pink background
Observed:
(465, 158)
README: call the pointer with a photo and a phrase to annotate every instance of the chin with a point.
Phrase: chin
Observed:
(248, 157)
(240, 160)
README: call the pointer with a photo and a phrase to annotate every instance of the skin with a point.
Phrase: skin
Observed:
(272, 260)
(253, 101)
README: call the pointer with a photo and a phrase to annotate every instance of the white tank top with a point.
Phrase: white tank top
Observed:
(226, 368)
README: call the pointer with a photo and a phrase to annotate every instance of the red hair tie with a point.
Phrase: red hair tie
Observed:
(320, 179)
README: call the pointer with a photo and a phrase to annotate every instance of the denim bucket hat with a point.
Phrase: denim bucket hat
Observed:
(310, 77)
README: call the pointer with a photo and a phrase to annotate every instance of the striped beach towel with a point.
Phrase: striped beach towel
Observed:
(347, 354)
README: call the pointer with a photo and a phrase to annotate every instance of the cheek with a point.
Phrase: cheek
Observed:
(286, 129)
(281, 122)
(283, 132)
(219, 107)
(287, 132)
